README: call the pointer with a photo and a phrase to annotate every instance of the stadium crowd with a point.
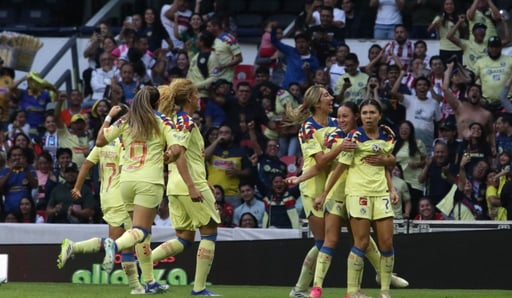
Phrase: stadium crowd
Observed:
(450, 110)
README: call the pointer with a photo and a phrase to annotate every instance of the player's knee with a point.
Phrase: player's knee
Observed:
(184, 242)
(144, 233)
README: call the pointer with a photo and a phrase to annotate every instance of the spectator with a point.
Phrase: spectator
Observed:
(203, 66)
(393, 112)
(421, 14)
(420, 51)
(44, 172)
(62, 208)
(410, 154)
(493, 72)
(28, 212)
(438, 174)
(448, 135)
(50, 138)
(227, 163)
(189, 37)
(401, 47)
(250, 204)
(18, 124)
(338, 15)
(173, 15)
(476, 181)
(74, 106)
(485, 12)
(101, 78)
(421, 110)
(18, 178)
(504, 133)
(337, 69)
(469, 110)
(215, 113)
(376, 57)
(476, 146)
(127, 82)
(225, 209)
(226, 48)
(350, 86)
(99, 112)
(492, 196)
(153, 29)
(353, 19)
(78, 138)
(417, 69)
(268, 166)
(34, 99)
(145, 66)
(426, 211)
(444, 23)
(402, 209)
(280, 206)
(300, 62)
(388, 15)
(248, 220)
(326, 36)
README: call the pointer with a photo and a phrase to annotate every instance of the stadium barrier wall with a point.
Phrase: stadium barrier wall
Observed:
(441, 260)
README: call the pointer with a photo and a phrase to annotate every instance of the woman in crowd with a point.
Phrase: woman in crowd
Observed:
(411, 155)
(28, 212)
(443, 23)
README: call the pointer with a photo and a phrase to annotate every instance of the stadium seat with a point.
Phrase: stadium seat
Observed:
(291, 164)
(264, 7)
(237, 6)
(35, 16)
(284, 19)
(249, 24)
(292, 7)
(243, 73)
(8, 16)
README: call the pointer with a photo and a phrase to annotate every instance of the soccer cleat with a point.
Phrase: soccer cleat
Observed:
(316, 292)
(204, 292)
(155, 288)
(294, 293)
(66, 252)
(357, 295)
(396, 281)
(138, 291)
(110, 253)
(384, 294)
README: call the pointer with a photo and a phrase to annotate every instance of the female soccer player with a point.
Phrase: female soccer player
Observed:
(316, 123)
(369, 195)
(191, 200)
(144, 133)
(112, 206)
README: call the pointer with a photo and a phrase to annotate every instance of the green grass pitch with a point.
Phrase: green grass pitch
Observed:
(56, 290)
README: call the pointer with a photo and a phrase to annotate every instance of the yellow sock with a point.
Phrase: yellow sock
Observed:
(129, 239)
(143, 251)
(308, 270)
(387, 262)
(355, 264)
(167, 249)
(323, 262)
(130, 269)
(372, 253)
(204, 260)
(87, 246)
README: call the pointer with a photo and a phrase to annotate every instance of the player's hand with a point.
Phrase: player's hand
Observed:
(195, 194)
(318, 203)
(395, 198)
(114, 111)
(292, 180)
(347, 145)
(388, 130)
(378, 160)
(75, 194)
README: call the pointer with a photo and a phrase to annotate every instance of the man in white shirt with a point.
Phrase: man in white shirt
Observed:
(169, 14)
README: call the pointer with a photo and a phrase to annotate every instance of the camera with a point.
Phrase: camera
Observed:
(347, 80)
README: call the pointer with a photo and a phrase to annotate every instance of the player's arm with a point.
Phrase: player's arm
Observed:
(450, 98)
(393, 195)
(101, 140)
(181, 164)
(82, 175)
(396, 86)
(323, 159)
(335, 176)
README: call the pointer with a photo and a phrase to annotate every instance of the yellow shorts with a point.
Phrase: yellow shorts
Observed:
(188, 215)
(307, 202)
(371, 208)
(337, 208)
(117, 217)
(143, 194)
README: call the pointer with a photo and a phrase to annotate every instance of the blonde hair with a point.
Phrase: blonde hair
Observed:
(176, 93)
(141, 118)
(305, 110)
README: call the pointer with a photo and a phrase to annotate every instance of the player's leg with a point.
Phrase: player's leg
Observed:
(204, 259)
(385, 238)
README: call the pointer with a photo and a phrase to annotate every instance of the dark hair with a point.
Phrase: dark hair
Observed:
(302, 35)
(46, 155)
(62, 151)
(399, 167)
(207, 38)
(27, 153)
(352, 57)
(245, 183)
(413, 145)
(371, 102)
(393, 67)
(436, 57)
(374, 46)
(352, 106)
(252, 216)
(420, 42)
(422, 78)
(243, 84)
(220, 189)
(33, 211)
(506, 117)
(483, 136)
(400, 25)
